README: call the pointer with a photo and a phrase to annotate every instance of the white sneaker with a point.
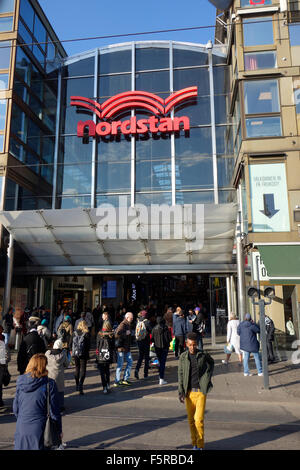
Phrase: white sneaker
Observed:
(162, 382)
(260, 375)
(224, 361)
(248, 375)
(107, 387)
(105, 390)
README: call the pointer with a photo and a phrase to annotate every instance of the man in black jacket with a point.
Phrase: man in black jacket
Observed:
(142, 336)
(31, 344)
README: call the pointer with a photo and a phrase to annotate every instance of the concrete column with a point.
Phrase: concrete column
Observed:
(9, 273)
(229, 299)
(233, 294)
(41, 291)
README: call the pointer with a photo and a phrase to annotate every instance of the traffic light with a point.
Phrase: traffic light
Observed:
(269, 292)
(252, 292)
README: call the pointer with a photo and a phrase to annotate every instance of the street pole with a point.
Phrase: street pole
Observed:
(263, 339)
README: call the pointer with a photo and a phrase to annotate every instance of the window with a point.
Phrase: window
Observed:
(2, 114)
(184, 58)
(81, 67)
(115, 62)
(260, 60)
(294, 30)
(6, 23)
(4, 81)
(151, 58)
(5, 47)
(27, 13)
(261, 98)
(257, 3)
(7, 6)
(258, 31)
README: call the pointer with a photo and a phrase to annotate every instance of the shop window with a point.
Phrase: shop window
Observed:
(260, 60)
(6, 23)
(151, 58)
(258, 31)
(7, 6)
(261, 96)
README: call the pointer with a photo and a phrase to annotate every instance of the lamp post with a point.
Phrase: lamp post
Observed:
(269, 293)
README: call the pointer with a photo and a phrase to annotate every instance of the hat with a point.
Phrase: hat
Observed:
(58, 344)
(143, 313)
(197, 309)
(247, 316)
(44, 322)
(34, 319)
(68, 318)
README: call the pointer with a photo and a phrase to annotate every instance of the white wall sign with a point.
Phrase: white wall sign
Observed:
(269, 199)
(263, 275)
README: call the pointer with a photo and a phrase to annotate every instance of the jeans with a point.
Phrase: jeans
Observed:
(6, 337)
(122, 357)
(162, 357)
(144, 353)
(246, 356)
(199, 342)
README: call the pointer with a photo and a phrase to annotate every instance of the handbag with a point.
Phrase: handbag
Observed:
(51, 433)
(228, 349)
(6, 377)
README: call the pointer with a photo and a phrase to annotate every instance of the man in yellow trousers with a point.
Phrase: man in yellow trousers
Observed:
(195, 370)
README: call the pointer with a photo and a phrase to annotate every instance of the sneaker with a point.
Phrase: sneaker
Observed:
(136, 374)
(248, 375)
(117, 384)
(224, 361)
(125, 382)
(108, 387)
(105, 390)
(260, 375)
(162, 382)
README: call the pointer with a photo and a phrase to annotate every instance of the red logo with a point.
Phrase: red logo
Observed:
(134, 100)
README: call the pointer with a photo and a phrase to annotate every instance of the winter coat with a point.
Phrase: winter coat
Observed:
(123, 340)
(105, 341)
(179, 326)
(31, 344)
(161, 336)
(232, 336)
(30, 409)
(57, 362)
(247, 330)
(86, 344)
(270, 328)
(199, 324)
(205, 369)
(188, 324)
(44, 333)
(8, 323)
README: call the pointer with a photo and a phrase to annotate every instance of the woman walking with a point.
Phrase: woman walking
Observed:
(30, 405)
(80, 353)
(57, 363)
(233, 339)
(105, 346)
(161, 338)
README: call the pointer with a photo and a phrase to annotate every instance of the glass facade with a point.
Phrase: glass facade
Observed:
(146, 167)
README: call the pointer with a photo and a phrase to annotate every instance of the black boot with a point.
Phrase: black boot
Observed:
(80, 388)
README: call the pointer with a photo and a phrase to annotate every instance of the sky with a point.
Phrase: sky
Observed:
(72, 19)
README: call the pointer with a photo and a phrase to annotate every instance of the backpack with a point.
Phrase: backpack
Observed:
(201, 327)
(78, 345)
(104, 354)
(62, 334)
(140, 331)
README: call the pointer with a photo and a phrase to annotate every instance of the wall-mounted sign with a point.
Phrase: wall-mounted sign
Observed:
(269, 199)
(262, 270)
(160, 107)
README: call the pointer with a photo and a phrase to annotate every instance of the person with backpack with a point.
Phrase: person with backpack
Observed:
(161, 337)
(199, 327)
(65, 332)
(142, 336)
(32, 344)
(105, 348)
(57, 363)
(80, 353)
(44, 332)
(123, 343)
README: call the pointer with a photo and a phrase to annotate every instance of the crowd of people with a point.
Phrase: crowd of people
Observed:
(44, 352)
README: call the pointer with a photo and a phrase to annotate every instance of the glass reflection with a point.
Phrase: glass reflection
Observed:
(151, 58)
(114, 149)
(197, 142)
(197, 110)
(113, 177)
(258, 31)
(153, 82)
(263, 127)
(188, 58)
(194, 197)
(72, 150)
(73, 202)
(122, 200)
(6, 23)
(225, 170)
(5, 54)
(152, 147)
(113, 84)
(81, 67)
(115, 62)
(7, 6)
(192, 77)
(261, 96)
(76, 179)
(193, 173)
(154, 198)
(153, 175)
(2, 113)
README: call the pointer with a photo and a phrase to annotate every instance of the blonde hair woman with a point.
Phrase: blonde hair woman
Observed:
(80, 353)
(233, 339)
(30, 404)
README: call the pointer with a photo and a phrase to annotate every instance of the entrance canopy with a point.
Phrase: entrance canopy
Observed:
(73, 241)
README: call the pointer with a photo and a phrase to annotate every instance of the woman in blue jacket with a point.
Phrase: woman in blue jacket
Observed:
(30, 405)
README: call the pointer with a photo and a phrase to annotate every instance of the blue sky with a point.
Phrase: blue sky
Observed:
(88, 18)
